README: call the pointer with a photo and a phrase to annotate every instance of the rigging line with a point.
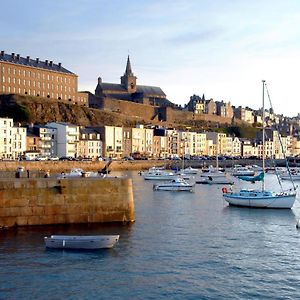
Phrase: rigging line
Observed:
(280, 140)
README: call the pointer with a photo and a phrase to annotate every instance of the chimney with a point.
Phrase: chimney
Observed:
(27, 58)
(13, 55)
(59, 65)
(46, 62)
(37, 60)
(51, 63)
(99, 80)
(2, 53)
(18, 56)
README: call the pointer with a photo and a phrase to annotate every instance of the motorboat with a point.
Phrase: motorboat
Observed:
(262, 198)
(215, 180)
(177, 184)
(292, 176)
(159, 175)
(92, 242)
(189, 171)
(212, 172)
(242, 171)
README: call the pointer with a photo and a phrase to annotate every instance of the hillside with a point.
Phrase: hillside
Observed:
(26, 109)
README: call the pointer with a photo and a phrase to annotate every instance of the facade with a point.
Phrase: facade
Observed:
(90, 144)
(12, 139)
(33, 77)
(236, 147)
(47, 142)
(112, 141)
(67, 139)
(244, 114)
(127, 141)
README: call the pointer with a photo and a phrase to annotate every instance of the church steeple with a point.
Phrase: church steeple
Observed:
(128, 80)
(128, 70)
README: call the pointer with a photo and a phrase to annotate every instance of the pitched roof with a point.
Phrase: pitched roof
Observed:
(36, 63)
(147, 90)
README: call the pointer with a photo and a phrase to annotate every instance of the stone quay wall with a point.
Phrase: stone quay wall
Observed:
(41, 201)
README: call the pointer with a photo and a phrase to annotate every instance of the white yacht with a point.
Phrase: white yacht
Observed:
(177, 184)
(159, 175)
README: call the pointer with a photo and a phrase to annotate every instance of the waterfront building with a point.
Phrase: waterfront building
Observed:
(236, 147)
(149, 142)
(219, 141)
(90, 144)
(174, 143)
(112, 141)
(46, 140)
(33, 77)
(67, 139)
(246, 149)
(12, 139)
(201, 144)
(127, 141)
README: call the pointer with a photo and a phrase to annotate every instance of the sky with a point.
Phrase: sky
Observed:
(220, 48)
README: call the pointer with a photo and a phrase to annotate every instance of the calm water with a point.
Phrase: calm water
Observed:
(182, 246)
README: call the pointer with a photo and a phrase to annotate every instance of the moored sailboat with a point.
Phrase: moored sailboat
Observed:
(261, 198)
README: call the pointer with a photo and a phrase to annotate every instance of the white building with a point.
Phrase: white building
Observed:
(90, 144)
(12, 139)
(112, 141)
(67, 138)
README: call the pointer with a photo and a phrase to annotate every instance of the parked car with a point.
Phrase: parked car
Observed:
(53, 158)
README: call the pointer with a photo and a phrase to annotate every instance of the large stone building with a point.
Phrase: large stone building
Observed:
(33, 77)
(128, 90)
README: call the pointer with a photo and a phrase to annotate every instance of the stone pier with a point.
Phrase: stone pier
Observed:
(41, 201)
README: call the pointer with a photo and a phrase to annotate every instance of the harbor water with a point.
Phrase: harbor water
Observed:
(182, 246)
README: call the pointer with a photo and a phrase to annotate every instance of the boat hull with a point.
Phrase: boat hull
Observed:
(276, 201)
(174, 188)
(159, 177)
(292, 177)
(217, 180)
(81, 242)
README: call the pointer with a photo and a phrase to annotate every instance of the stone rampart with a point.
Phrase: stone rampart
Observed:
(42, 201)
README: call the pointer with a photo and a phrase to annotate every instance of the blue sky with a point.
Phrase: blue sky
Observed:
(222, 48)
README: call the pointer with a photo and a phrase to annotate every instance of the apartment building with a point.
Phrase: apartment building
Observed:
(90, 144)
(112, 141)
(67, 139)
(12, 139)
(33, 77)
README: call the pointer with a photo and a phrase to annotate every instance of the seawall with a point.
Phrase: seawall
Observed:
(41, 201)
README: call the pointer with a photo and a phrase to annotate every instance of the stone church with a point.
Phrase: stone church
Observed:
(128, 90)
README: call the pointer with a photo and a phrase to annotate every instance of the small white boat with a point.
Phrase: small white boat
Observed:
(215, 180)
(177, 184)
(295, 176)
(242, 171)
(189, 171)
(212, 172)
(159, 175)
(91, 242)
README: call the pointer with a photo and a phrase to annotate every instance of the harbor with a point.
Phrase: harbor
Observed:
(182, 245)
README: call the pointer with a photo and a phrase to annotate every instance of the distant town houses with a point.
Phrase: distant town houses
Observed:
(60, 140)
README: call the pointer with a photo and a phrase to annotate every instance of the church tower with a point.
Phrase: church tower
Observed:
(128, 80)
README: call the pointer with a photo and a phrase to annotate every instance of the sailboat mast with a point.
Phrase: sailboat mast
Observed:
(263, 133)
